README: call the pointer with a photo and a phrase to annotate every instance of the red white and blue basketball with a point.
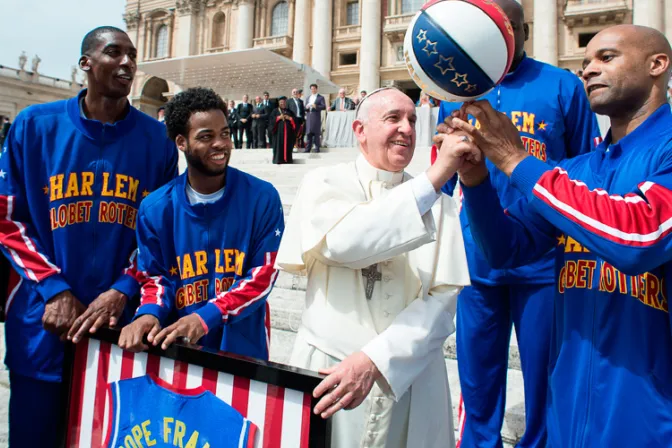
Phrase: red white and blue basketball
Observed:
(459, 50)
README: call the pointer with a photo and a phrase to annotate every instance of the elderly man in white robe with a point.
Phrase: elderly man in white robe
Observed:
(385, 262)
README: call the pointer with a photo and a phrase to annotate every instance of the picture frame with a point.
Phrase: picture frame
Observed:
(276, 398)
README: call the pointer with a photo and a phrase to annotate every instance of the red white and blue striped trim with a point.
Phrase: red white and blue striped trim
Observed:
(631, 219)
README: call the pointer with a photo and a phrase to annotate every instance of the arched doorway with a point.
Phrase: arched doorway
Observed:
(152, 96)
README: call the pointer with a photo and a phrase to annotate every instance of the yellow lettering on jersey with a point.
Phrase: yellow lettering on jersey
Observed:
(56, 187)
(192, 440)
(201, 261)
(137, 435)
(167, 429)
(219, 269)
(528, 123)
(73, 186)
(121, 183)
(180, 429)
(133, 188)
(106, 191)
(515, 116)
(147, 433)
(187, 267)
(87, 183)
(129, 443)
(240, 257)
(228, 260)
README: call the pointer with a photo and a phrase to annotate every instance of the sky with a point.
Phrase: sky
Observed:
(52, 29)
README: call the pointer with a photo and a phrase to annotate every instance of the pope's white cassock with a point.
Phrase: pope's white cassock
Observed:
(350, 222)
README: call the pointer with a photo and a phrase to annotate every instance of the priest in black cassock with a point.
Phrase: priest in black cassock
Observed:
(283, 125)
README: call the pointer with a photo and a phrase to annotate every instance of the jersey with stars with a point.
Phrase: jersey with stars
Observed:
(550, 109)
(216, 260)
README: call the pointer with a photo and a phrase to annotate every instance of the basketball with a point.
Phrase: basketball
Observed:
(459, 50)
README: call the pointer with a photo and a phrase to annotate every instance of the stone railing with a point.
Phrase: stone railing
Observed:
(576, 8)
(48, 81)
(347, 32)
(273, 42)
(217, 49)
(394, 27)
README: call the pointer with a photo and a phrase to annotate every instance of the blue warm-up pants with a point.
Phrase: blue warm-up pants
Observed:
(35, 412)
(484, 318)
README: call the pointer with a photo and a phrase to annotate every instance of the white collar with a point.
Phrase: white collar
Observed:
(368, 172)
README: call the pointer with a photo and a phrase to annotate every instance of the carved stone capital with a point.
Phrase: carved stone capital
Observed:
(132, 19)
(187, 6)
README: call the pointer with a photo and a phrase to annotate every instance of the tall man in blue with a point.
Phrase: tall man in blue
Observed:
(607, 216)
(72, 175)
(207, 242)
(550, 110)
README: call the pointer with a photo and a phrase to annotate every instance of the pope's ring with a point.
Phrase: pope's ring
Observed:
(465, 138)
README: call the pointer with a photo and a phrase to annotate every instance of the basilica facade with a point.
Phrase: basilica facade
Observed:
(355, 43)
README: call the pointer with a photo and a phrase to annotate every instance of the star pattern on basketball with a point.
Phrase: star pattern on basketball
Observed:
(460, 79)
(45, 189)
(422, 35)
(173, 270)
(445, 64)
(429, 44)
(542, 126)
(470, 88)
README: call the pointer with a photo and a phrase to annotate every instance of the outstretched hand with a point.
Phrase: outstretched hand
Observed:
(497, 137)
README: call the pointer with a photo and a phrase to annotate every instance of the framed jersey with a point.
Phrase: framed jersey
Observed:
(186, 397)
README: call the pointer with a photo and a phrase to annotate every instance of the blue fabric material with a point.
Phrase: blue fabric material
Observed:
(606, 216)
(35, 411)
(213, 259)
(69, 193)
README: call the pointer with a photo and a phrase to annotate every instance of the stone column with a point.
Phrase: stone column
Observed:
(187, 24)
(245, 25)
(263, 31)
(545, 31)
(648, 13)
(290, 25)
(322, 37)
(668, 19)
(369, 53)
(301, 31)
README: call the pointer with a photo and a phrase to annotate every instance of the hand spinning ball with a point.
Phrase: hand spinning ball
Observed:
(458, 50)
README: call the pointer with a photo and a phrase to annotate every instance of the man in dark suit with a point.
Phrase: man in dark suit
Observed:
(269, 105)
(4, 129)
(245, 111)
(342, 103)
(259, 123)
(295, 104)
(315, 104)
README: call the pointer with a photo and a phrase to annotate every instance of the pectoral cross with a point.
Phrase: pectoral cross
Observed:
(372, 276)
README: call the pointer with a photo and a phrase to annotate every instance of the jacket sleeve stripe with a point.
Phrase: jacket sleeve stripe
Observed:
(132, 268)
(630, 219)
(152, 291)
(22, 249)
(250, 290)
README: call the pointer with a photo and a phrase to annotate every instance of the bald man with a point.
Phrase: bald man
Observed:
(550, 110)
(606, 216)
(385, 261)
(342, 102)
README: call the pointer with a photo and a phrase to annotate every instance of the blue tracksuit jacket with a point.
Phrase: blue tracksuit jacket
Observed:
(215, 260)
(550, 109)
(69, 193)
(608, 216)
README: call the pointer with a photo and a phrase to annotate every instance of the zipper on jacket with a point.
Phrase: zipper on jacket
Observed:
(589, 394)
(99, 162)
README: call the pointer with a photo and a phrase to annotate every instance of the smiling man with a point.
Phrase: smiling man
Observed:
(385, 262)
(207, 242)
(72, 175)
(606, 216)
